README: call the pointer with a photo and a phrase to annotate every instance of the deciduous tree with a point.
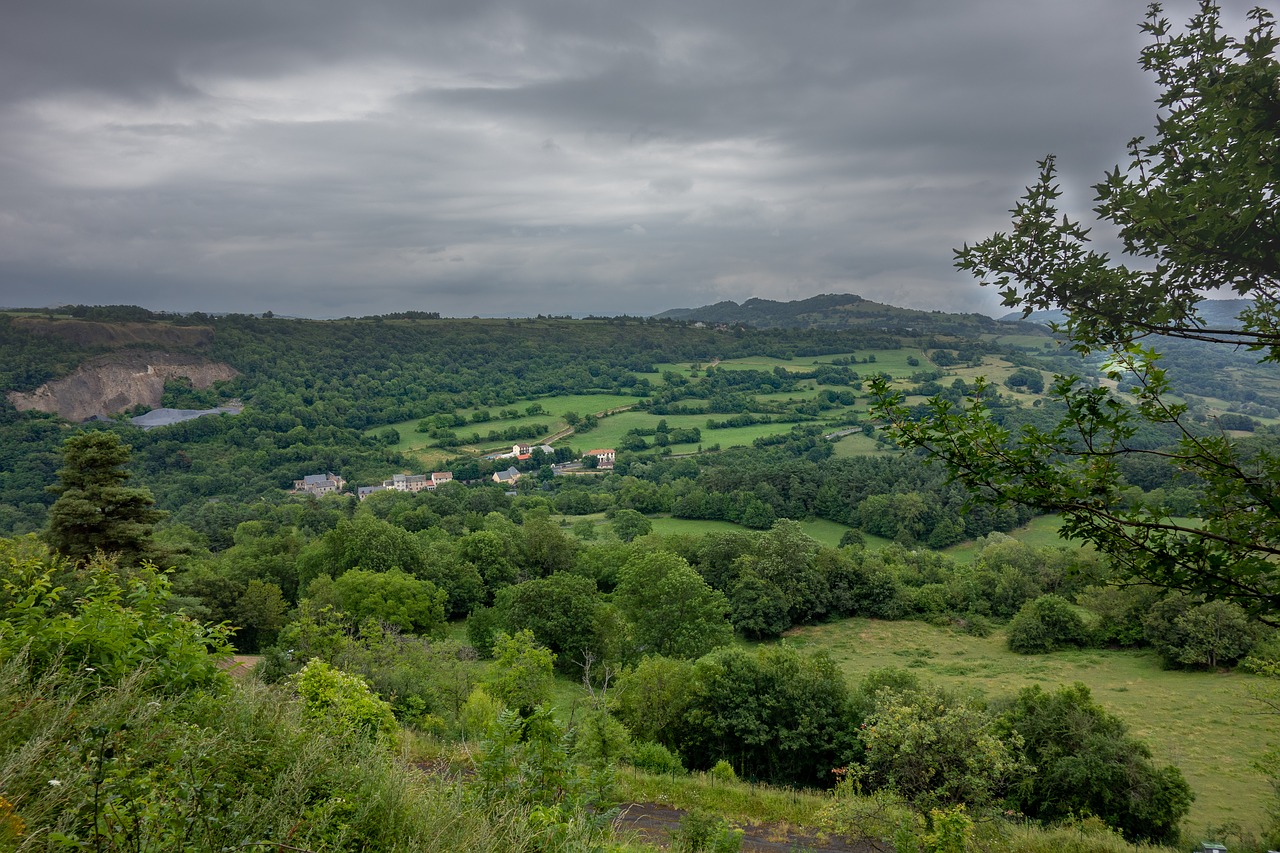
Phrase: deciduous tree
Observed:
(1195, 211)
(673, 610)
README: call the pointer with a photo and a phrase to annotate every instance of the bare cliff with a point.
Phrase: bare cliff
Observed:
(118, 381)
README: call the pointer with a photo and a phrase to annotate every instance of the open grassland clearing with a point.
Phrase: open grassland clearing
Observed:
(583, 404)
(993, 368)
(857, 444)
(612, 429)
(1043, 531)
(552, 416)
(1203, 722)
(1036, 342)
(807, 392)
(891, 361)
(826, 532)
(669, 526)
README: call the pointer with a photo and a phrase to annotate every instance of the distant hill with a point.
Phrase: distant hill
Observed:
(838, 311)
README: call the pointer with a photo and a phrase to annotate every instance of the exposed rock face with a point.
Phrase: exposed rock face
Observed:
(119, 381)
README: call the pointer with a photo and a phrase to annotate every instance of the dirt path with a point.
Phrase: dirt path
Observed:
(241, 665)
(654, 824)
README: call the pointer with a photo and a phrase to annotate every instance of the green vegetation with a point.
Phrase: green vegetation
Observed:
(365, 656)
(1194, 214)
(1206, 723)
(739, 602)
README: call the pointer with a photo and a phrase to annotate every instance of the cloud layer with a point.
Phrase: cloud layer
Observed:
(555, 156)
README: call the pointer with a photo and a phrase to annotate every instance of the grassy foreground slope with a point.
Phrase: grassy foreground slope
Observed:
(1205, 723)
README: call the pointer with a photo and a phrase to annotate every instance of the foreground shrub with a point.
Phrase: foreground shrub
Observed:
(133, 769)
(703, 832)
(1086, 763)
(655, 758)
(935, 750)
(123, 621)
(344, 702)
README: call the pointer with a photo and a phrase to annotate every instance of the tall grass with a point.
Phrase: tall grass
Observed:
(121, 768)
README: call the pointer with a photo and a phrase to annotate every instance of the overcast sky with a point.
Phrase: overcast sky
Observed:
(330, 158)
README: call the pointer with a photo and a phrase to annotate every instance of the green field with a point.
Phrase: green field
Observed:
(556, 406)
(858, 444)
(416, 443)
(826, 532)
(1205, 723)
(612, 429)
(1027, 341)
(691, 526)
(1040, 532)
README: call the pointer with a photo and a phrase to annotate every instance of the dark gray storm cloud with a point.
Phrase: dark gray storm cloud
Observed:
(329, 158)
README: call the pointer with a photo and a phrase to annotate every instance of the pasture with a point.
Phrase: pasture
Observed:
(1043, 531)
(825, 532)
(417, 444)
(1206, 723)
(612, 429)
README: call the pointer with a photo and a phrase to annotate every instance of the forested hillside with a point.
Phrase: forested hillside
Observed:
(311, 387)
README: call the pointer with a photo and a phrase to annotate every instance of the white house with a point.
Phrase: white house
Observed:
(604, 456)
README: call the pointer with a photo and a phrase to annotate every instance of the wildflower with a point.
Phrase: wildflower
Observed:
(54, 783)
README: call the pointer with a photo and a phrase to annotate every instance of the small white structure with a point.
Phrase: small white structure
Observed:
(604, 456)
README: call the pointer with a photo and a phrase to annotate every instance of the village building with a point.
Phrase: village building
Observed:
(507, 477)
(604, 457)
(524, 452)
(409, 482)
(319, 484)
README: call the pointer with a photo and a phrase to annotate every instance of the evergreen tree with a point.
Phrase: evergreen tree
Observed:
(95, 510)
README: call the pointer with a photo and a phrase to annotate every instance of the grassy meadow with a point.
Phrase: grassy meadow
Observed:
(826, 532)
(1043, 531)
(612, 429)
(1203, 722)
(417, 444)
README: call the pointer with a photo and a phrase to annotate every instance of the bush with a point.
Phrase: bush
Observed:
(703, 832)
(655, 758)
(140, 770)
(483, 626)
(1188, 633)
(1046, 624)
(122, 624)
(723, 772)
(1086, 763)
(935, 751)
(343, 701)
